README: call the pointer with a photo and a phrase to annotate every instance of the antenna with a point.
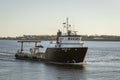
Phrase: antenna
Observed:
(67, 21)
(66, 25)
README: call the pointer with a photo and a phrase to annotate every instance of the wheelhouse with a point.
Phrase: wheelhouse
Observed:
(68, 39)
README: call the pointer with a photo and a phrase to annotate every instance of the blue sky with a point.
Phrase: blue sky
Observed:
(45, 17)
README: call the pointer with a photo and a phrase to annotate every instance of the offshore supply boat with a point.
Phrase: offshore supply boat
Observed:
(67, 49)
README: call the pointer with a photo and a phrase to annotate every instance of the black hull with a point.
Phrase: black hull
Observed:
(61, 55)
(66, 55)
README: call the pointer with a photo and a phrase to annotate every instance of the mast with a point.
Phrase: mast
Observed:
(66, 25)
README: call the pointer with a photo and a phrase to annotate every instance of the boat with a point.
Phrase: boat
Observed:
(68, 48)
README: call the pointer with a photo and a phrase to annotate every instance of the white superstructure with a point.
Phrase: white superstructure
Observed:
(69, 39)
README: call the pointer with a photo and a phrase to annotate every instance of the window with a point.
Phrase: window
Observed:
(68, 38)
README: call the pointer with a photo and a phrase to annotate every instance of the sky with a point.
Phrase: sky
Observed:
(45, 17)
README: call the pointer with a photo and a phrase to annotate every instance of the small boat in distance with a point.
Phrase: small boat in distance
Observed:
(67, 49)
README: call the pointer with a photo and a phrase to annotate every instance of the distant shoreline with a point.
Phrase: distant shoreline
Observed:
(53, 37)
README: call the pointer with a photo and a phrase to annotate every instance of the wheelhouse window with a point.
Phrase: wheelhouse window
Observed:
(68, 38)
(77, 38)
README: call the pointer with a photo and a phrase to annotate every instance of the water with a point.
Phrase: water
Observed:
(102, 63)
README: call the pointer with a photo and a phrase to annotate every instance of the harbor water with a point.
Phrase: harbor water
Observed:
(102, 62)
